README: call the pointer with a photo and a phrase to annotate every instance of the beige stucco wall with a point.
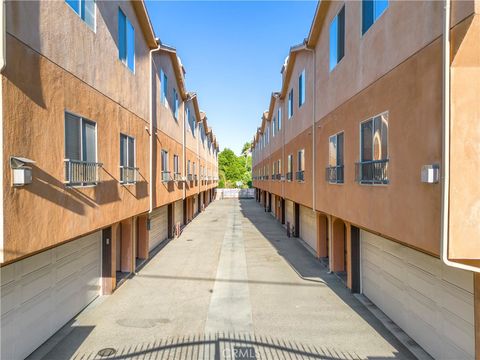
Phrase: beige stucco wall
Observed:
(465, 141)
(165, 120)
(54, 30)
(403, 29)
(302, 116)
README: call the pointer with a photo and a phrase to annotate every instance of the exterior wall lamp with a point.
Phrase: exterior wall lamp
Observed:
(21, 172)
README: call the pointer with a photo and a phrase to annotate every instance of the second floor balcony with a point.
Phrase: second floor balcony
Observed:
(334, 174)
(166, 176)
(372, 172)
(289, 176)
(300, 175)
(128, 175)
(81, 173)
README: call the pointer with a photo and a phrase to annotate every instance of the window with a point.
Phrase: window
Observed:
(164, 86)
(176, 169)
(279, 169)
(85, 9)
(126, 41)
(81, 167)
(335, 159)
(373, 165)
(127, 159)
(189, 173)
(274, 165)
(279, 118)
(175, 104)
(371, 11)
(337, 39)
(290, 103)
(165, 171)
(301, 165)
(289, 167)
(301, 88)
(274, 126)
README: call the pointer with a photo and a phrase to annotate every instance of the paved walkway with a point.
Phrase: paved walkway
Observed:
(232, 286)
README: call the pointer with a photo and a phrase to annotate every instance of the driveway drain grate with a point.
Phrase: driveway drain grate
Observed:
(107, 352)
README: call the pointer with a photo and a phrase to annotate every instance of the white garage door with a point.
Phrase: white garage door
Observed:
(289, 213)
(431, 302)
(179, 212)
(43, 292)
(308, 227)
(158, 227)
(195, 205)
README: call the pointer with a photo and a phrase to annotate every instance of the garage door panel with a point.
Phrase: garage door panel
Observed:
(308, 227)
(8, 299)
(36, 283)
(458, 330)
(456, 277)
(33, 263)
(48, 289)
(179, 212)
(458, 301)
(418, 293)
(158, 227)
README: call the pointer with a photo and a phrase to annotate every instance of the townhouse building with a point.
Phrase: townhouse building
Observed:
(96, 141)
(368, 155)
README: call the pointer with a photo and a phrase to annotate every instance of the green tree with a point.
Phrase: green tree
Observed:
(233, 168)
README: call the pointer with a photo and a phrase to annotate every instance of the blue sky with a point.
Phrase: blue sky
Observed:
(233, 53)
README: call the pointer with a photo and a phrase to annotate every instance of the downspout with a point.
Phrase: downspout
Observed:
(313, 130)
(3, 62)
(151, 122)
(444, 230)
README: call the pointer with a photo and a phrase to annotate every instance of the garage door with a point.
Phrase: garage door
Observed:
(431, 302)
(43, 292)
(308, 227)
(179, 212)
(158, 227)
(289, 213)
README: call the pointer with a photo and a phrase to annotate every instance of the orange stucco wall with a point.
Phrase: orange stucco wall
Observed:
(47, 212)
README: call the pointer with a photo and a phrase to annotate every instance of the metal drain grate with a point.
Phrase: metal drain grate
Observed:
(107, 352)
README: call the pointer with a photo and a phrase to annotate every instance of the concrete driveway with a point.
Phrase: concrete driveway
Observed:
(232, 286)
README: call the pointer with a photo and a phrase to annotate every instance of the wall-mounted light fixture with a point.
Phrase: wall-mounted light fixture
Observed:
(21, 173)
(430, 174)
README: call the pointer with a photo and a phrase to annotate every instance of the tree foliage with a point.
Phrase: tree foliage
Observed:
(233, 168)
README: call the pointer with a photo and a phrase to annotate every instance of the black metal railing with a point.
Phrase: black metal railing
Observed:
(334, 174)
(289, 176)
(165, 176)
(300, 175)
(279, 176)
(190, 177)
(81, 173)
(372, 172)
(128, 175)
(177, 176)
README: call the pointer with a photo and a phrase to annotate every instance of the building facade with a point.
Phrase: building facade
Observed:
(366, 152)
(95, 148)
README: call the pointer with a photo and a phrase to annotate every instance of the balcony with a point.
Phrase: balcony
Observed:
(189, 177)
(165, 176)
(334, 174)
(81, 173)
(300, 175)
(372, 172)
(177, 176)
(128, 175)
(278, 177)
(289, 176)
